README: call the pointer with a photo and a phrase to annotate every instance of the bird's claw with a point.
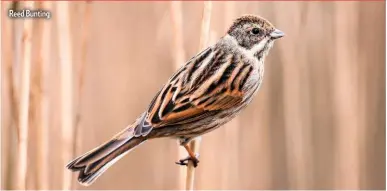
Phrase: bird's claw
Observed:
(184, 161)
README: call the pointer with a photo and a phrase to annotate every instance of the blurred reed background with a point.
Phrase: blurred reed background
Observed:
(71, 82)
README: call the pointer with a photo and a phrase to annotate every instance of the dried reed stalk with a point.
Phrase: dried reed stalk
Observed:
(204, 38)
(14, 67)
(296, 108)
(81, 73)
(1, 55)
(66, 57)
(190, 179)
(349, 143)
(179, 56)
(177, 24)
(8, 58)
(21, 167)
(42, 101)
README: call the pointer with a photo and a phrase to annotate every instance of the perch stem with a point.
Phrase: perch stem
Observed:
(205, 35)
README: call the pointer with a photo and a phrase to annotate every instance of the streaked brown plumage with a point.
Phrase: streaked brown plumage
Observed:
(207, 92)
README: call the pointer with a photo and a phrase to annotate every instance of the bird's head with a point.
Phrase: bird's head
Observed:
(254, 33)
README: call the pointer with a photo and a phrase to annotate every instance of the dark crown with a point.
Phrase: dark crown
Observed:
(265, 24)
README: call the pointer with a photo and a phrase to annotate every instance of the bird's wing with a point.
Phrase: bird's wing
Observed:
(208, 83)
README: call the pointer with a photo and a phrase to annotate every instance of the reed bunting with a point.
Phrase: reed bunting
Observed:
(205, 93)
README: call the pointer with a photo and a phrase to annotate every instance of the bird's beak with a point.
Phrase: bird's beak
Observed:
(276, 34)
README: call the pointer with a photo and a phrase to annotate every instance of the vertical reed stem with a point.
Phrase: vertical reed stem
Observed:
(204, 38)
(43, 102)
(21, 167)
(1, 77)
(65, 56)
(9, 62)
(177, 24)
(179, 56)
(81, 74)
(347, 166)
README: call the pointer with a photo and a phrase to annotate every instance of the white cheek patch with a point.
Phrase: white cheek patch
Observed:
(258, 47)
(250, 53)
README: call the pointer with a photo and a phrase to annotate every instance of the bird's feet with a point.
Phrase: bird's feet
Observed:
(184, 161)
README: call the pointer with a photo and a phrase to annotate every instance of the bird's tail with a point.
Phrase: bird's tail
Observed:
(93, 163)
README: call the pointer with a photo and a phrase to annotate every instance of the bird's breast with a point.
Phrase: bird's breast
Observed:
(254, 81)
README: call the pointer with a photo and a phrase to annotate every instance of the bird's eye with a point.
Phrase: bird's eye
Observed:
(255, 31)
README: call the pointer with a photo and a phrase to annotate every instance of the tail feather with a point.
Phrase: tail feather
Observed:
(93, 163)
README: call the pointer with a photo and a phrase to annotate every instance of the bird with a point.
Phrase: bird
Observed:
(208, 91)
